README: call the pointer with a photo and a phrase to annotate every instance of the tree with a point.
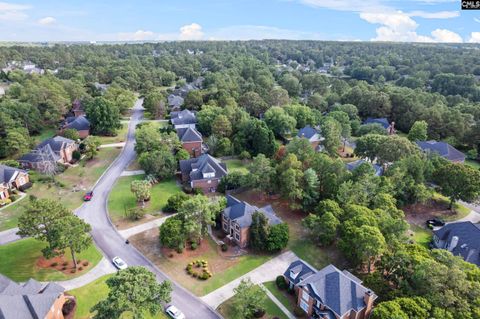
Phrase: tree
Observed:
(205, 118)
(122, 98)
(261, 173)
(182, 154)
(141, 190)
(277, 237)
(291, 84)
(418, 131)
(253, 103)
(249, 298)
(289, 178)
(322, 229)
(194, 100)
(147, 138)
(160, 163)
(197, 213)
(134, 290)
(104, 116)
(172, 234)
(310, 188)
(371, 128)
(155, 103)
(368, 146)
(279, 121)
(259, 231)
(458, 182)
(331, 131)
(90, 146)
(302, 148)
(278, 97)
(255, 137)
(174, 202)
(72, 134)
(16, 142)
(388, 310)
(221, 126)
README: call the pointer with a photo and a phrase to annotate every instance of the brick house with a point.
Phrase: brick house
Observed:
(183, 119)
(31, 300)
(443, 149)
(203, 172)
(4, 194)
(58, 148)
(13, 177)
(191, 140)
(77, 108)
(237, 219)
(313, 136)
(80, 124)
(329, 293)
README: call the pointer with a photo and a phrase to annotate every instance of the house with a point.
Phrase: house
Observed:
(461, 239)
(237, 219)
(203, 172)
(14, 178)
(77, 108)
(353, 165)
(329, 293)
(191, 140)
(312, 135)
(58, 149)
(183, 119)
(390, 127)
(80, 124)
(31, 300)
(100, 87)
(175, 101)
(4, 193)
(443, 149)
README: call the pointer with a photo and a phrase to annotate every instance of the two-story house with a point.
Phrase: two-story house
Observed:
(80, 124)
(329, 293)
(203, 172)
(191, 140)
(183, 119)
(58, 148)
(353, 165)
(237, 219)
(312, 135)
(13, 177)
(443, 149)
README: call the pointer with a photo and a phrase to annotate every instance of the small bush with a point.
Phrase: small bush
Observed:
(245, 155)
(179, 249)
(281, 283)
(194, 245)
(55, 264)
(64, 268)
(76, 155)
(259, 313)
(224, 247)
(197, 191)
(73, 271)
(85, 263)
(170, 255)
(80, 268)
(13, 198)
(65, 263)
(299, 312)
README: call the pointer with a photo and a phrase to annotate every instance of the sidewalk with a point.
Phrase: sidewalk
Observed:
(266, 272)
(129, 232)
(278, 303)
(132, 173)
(8, 236)
(22, 196)
(104, 267)
(122, 144)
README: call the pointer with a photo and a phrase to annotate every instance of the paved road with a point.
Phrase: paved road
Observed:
(112, 244)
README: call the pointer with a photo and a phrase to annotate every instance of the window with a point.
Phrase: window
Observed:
(208, 175)
(305, 295)
(237, 236)
(225, 226)
(304, 305)
(237, 227)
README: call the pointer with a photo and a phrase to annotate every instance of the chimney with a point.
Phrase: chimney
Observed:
(391, 128)
(453, 243)
(368, 298)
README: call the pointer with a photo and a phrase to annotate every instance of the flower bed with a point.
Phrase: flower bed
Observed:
(199, 269)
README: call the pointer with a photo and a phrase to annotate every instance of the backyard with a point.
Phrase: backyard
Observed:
(237, 165)
(23, 259)
(121, 199)
(421, 235)
(225, 266)
(288, 300)
(228, 310)
(69, 188)
(120, 137)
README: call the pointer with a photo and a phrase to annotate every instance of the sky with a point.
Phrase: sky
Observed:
(169, 20)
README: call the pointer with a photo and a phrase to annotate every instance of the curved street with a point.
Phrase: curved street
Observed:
(109, 241)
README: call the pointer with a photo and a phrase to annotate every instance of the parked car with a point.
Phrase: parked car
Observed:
(88, 196)
(174, 313)
(435, 222)
(119, 263)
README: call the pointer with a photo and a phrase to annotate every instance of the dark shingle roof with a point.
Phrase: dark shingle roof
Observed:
(79, 123)
(468, 245)
(57, 143)
(382, 121)
(195, 166)
(298, 271)
(443, 149)
(355, 164)
(7, 173)
(34, 156)
(242, 212)
(183, 117)
(307, 132)
(189, 134)
(175, 100)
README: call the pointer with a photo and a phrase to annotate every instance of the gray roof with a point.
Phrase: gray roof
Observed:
(57, 143)
(79, 123)
(298, 271)
(307, 132)
(189, 134)
(30, 300)
(194, 167)
(7, 173)
(382, 121)
(468, 245)
(355, 164)
(339, 291)
(175, 100)
(242, 212)
(183, 117)
(443, 149)
(34, 156)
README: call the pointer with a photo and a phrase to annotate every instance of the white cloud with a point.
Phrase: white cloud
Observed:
(397, 21)
(259, 32)
(474, 37)
(434, 15)
(47, 21)
(13, 12)
(139, 35)
(191, 32)
(443, 35)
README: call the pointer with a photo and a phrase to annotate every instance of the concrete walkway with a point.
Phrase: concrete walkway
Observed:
(22, 196)
(129, 232)
(121, 144)
(473, 217)
(278, 303)
(266, 272)
(104, 267)
(132, 173)
(9, 236)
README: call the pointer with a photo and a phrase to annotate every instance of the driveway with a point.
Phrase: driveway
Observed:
(112, 244)
(266, 272)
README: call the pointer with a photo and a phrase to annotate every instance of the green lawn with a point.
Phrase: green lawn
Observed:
(227, 310)
(122, 199)
(120, 137)
(72, 185)
(236, 165)
(19, 261)
(473, 163)
(44, 134)
(421, 235)
(89, 295)
(461, 211)
(281, 295)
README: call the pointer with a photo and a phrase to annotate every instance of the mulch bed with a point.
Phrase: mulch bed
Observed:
(418, 214)
(59, 263)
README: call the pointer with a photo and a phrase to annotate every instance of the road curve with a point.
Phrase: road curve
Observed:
(112, 244)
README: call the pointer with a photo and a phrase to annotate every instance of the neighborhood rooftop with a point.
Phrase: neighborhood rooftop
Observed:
(79, 123)
(8, 173)
(242, 212)
(183, 117)
(307, 132)
(196, 167)
(382, 121)
(189, 134)
(443, 149)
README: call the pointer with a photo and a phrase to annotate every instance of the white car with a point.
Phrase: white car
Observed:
(119, 263)
(173, 312)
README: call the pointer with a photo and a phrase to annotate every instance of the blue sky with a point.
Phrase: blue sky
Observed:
(366, 20)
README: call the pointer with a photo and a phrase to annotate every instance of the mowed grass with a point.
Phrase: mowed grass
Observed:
(121, 199)
(282, 296)
(460, 210)
(74, 182)
(421, 235)
(120, 137)
(89, 295)
(237, 165)
(228, 311)
(473, 163)
(44, 134)
(19, 261)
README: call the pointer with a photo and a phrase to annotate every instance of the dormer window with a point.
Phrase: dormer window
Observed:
(293, 274)
(208, 175)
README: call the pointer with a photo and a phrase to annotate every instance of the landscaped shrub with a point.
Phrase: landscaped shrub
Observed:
(224, 247)
(180, 249)
(259, 313)
(73, 271)
(281, 283)
(174, 202)
(194, 245)
(65, 263)
(13, 198)
(64, 268)
(245, 155)
(299, 312)
(80, 268)
(85, 263)
(76, 155)
(199, 269)
(197, 191)
(55, 264)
